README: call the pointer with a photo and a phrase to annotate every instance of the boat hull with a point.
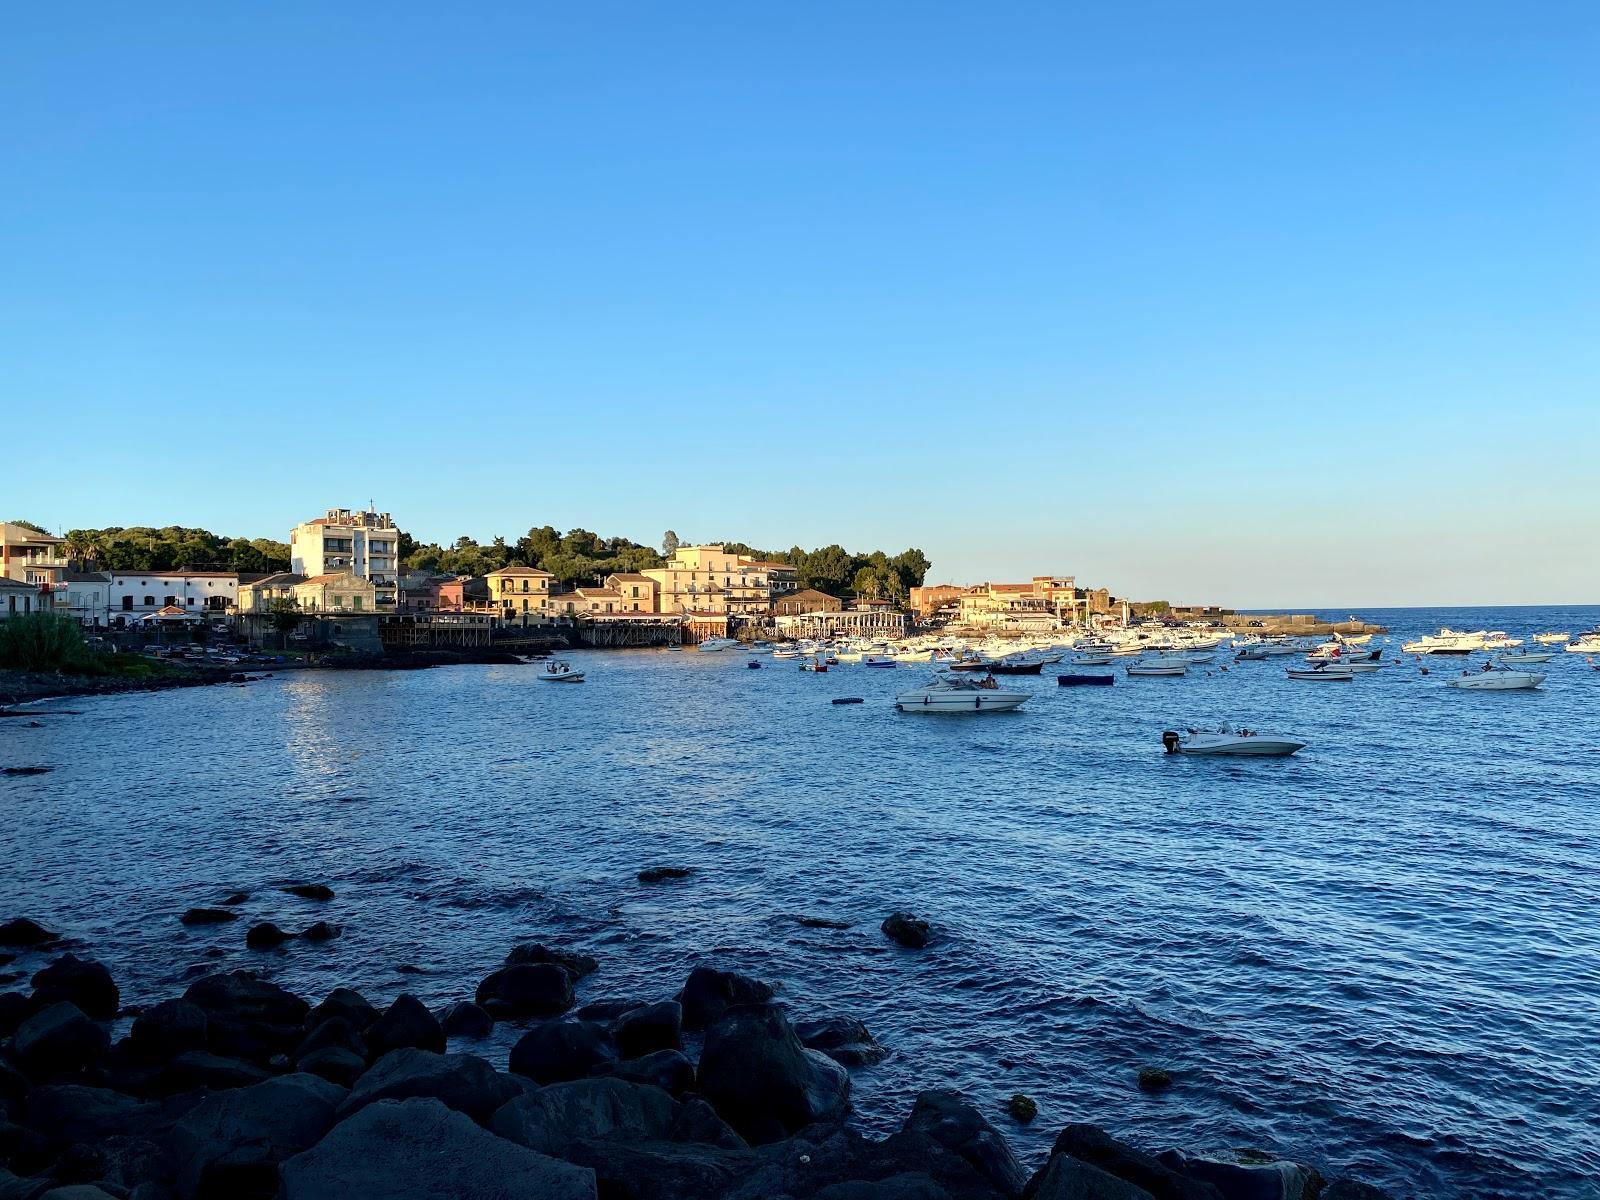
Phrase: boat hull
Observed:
(1085, 680)
(1498, 681)
(959, 702)
(1250, 747)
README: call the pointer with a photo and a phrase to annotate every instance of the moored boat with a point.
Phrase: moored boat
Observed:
(1084, 679)
(560, 672)
(1497, 679)
(946, 694)
(1157, 668)
(1322, 673)
(1242, 743)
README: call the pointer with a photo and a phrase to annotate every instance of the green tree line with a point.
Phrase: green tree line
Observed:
(835, 570)
(577, 556)
(141, 548)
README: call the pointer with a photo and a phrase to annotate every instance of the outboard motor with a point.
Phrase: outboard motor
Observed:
(1170, 740)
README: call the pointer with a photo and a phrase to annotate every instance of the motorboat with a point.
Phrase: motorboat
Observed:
(1237, 743)
(559, 672)
(1083, 679)
(1587, 643)
(947, 694)
(1016, 666)
(1499, 639)
(1447, 641)
(786, 651)
(1157, 668)
(878, 660)
(1527, 656)
(814, 664)
(1322, 673)
(714, 644)
(1089, 660)
(1254, 653)
(1552, 639)
(1497, 679)
(753, 665)
(1360, 666)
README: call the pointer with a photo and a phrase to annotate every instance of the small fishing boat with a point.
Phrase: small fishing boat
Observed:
(1497, 679)
(1157, 668)
(753, 665)
(946, 694)
(1089, 660)
(1083, 679)
(560, 672)
(1013, 666)
(1241, 743)
(1322, 673)
(814, 664)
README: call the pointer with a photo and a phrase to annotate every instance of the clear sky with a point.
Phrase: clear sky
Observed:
(1253, 304)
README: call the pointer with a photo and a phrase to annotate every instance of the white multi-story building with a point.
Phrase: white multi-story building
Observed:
(366, 544)
(133, 594)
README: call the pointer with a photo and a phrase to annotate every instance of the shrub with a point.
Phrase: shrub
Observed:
(42, 642)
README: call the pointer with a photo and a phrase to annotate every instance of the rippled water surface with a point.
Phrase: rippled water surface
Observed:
(1381, 956)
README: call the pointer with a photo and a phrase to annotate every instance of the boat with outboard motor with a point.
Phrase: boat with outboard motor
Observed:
(1585, 643)
(1497, 679)
(1552, 639)
(950, 694)
(560, 672)
(1234, 743)
(1527, 656)
(1156, 668)
(1322, 673)
(713, 644)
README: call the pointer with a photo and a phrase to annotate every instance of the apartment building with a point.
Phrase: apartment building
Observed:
(29, 556)
(366, 544)
(638, 592)
(522, 594)
(133, 594)
(708, 580)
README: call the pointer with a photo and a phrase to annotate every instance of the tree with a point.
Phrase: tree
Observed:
(285, 614)
(669, 544)
(37, 528)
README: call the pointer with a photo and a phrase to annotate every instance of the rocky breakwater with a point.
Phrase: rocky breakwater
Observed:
(239, 1089)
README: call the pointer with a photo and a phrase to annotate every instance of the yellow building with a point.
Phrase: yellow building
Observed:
(582, 602)
(638, 593)
(521, 594)
(709, 580)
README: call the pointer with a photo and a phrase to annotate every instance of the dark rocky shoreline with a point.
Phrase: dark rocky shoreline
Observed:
(240, 1089)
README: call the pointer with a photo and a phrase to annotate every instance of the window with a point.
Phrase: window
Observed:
(127, 603)
(355, 603)
(149, 601)
(338, 601)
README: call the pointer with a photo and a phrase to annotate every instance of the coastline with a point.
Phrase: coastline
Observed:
(720, 1092)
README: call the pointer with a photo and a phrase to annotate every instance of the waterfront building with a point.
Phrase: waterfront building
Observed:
(85, 595)
(872, 621)
(336, 592)
(781, 577)
(521, 594)
(18, 598)
(925, 601)
(418, 591)
(260, 594)
(639, 593)
(135, 594)
(808, 600)
(587, 601)
(709, 581)
(366, 544)
(464, 593)
(29, 556)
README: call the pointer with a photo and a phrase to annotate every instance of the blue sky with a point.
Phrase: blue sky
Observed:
(1213, 302)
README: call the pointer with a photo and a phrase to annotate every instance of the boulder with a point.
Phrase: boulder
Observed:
(573, 963)
(843, 1039)
(230, 1144)
(335, 1032)
(335, 1064)
(77, 1191)
(763, 1082)
(910, 1185)
(346, 1003)
(60, 1040)
(197, 1069)
(244, 996)
(526, 990)
(551, 1118)
(662, 874)
(1066, 1178)
(708, 993)
(406, 1022)
(1095, 1146)
(648, 1029)
(1153, 1079)
(23, 932)
(1023, 1108)
(662, 1170)
(906, 928)
(168, 1028)
(266, 935)
(14, 1010)
(460, 1081)
(79, 981)
(208, 916)
(669, 1070)
(607, 1010)
(309, 891)
(466, 1020)
(558, 1051)
(234, 898)
(321, 932)
(67, 1113)
(420, 1150)
(1248, 1181)
(1352, 1189)
(947, 1119)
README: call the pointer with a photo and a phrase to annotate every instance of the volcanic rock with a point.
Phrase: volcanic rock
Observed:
(406, 1022)
(23, 932)
(526, 990)
(84, 983)
(762, 1081)
(169, 1028)
(460, 1081)
(708, 993)
(843, 1039)
(648, 1029)
(575, 964)
(59, 1040)
(467, 1020)
(208, 916)
(906, 928)
(558, 1051)
(265, 935)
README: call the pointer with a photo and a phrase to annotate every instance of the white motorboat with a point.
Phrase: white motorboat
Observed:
(1527, 656)
(559, 672)
(1254, 653)
(1587, 643)
(1157, 668)
(1241, 743)
(1089, 660)
(1497, 679)
(786, 652)
(1499, 639)
(712, 645)
(878, 660)
(1361, 666)
(1552, 639)
(1323, 673)
(1447, 641)
(950, 694)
